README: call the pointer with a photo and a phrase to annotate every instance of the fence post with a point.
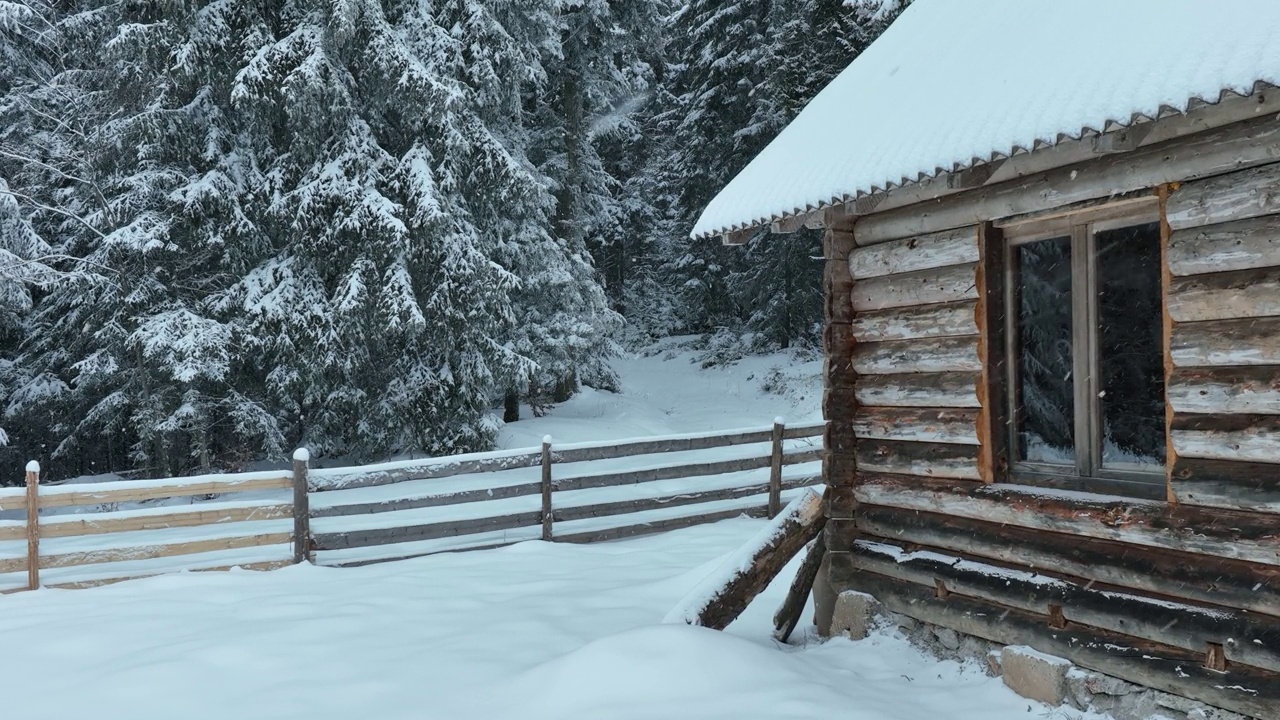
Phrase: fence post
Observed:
(33, 525)
(546, 488)
(301, 507)
(775, 470)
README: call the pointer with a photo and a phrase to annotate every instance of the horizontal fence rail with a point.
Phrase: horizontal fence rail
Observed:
(579, 492)
(105, 536)
(78, 535)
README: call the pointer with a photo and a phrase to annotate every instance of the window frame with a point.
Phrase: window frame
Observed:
(1088, 472)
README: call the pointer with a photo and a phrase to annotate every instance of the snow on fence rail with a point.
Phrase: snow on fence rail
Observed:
(583, 492)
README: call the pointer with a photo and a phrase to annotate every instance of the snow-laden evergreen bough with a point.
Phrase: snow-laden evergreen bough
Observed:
(321, 226)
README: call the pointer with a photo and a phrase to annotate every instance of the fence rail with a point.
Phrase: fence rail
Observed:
(581, 492)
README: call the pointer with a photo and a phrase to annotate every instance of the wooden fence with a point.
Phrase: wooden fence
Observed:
(76, 535)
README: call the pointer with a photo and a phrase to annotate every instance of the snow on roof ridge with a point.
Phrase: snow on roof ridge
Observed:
(1107, 77)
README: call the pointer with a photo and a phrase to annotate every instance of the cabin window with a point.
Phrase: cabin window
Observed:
(1084, 338)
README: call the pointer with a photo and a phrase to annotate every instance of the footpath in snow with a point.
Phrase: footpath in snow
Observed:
(533, 631)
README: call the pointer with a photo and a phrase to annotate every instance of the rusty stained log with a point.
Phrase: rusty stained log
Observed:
(1251, 537)
(1250, 639)
(926, 459)
(1240, 689)
(1156, 571)
(922, 390)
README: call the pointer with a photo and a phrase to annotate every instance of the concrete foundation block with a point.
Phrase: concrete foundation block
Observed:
(1034, 675)
(854, 614)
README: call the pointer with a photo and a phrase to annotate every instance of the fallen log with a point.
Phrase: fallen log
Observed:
(722, 596)
(788, 615)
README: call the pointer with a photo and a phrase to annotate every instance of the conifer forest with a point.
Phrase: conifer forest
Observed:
(229, 228)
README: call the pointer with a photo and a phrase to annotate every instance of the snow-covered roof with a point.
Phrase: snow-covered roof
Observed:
(954, 83)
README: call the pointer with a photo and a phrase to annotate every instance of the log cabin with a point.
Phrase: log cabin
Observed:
(1052, 329)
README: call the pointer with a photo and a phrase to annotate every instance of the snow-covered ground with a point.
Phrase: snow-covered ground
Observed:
(532, 631)
(664, 390)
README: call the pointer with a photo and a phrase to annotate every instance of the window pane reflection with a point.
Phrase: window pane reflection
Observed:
(1046, 406)
(1130, 346)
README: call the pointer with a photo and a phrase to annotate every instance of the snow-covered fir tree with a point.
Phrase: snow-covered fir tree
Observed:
(361, 225)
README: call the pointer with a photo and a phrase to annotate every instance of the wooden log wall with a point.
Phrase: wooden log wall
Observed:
(1163, 594)
(917, 355)
(1224, 302)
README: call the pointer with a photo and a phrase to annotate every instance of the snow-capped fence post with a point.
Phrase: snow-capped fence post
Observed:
(775, 469)
(546, 488)
(301, 507)
(33, 525)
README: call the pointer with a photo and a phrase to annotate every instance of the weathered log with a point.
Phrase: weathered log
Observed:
(939, 285)
(933, 355)
(1242, 245)
(788, 615)
(1228, 437)
(1253, 390)
(1249, 639)
(1245, 144)
(1251, 537)
(1227, 484)
(1239, 689)
(1225, 295)
(951, 247)
(1253, 341)
(721, 597)
(917, 424)
(912, 323)
(1233, 196)
(1174, 574)
(941, 460)
(953, 390)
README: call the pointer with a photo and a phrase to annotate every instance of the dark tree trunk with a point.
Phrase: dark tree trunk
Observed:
(511, 406)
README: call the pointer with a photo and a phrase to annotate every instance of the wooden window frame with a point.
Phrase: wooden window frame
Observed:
(1088, 474)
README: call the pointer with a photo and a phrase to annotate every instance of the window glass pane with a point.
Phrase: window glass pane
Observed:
(1130, 346)
(1046, 408)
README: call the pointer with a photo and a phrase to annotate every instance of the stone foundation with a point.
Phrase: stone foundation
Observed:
(1027, 672)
